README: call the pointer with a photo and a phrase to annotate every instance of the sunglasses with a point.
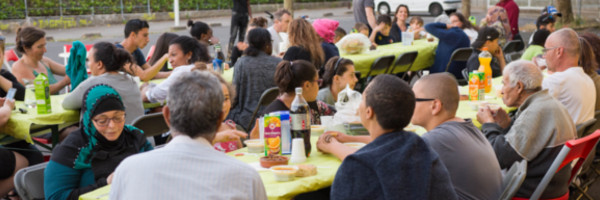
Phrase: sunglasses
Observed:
(423, 99)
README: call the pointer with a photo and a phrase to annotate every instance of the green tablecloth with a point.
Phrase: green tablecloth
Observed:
(326, 164)
(468, 109)
(363, 62)
(19, 125)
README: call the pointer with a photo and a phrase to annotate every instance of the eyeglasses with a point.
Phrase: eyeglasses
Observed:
(545, 50)
(105, 121)
(423, 99)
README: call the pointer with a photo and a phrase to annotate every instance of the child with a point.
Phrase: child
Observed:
(416, 27)
(339, 34)
(537, 45)
(361, 28)
(381, 33)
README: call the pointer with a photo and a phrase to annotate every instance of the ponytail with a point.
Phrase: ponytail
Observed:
(292, 74)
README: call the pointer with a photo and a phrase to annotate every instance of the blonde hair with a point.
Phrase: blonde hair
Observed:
(301, 33)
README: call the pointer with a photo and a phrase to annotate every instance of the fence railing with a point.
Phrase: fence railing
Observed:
(20, 9)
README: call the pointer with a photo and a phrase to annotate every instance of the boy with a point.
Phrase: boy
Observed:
(381, 33)
(339, 34)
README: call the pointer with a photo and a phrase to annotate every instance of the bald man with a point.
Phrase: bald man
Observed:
(469, 157)
(568, 83)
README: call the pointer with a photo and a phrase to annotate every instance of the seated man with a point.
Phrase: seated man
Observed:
(469, 157)
(487, 38)
(388, 168)
(450, 38)
(536, 132)
(568, 82)
(189, 167)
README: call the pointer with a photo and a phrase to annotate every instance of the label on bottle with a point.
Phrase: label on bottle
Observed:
(300, 121)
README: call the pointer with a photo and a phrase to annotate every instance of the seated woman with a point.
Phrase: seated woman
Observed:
(253, 75)
(339, 72)
(31, 42)
(184, 51)
(459, 20)
(162, 48)
(399, 24)
(87, 158)
(304, 43)
(326, 28)
(106, 61)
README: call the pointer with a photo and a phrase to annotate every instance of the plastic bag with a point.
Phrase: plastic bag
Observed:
(353, 43)
(347, 106)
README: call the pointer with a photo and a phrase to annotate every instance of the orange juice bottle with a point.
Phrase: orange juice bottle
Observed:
(485, 58)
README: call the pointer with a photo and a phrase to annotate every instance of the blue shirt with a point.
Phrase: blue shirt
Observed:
(450, 40)
(139, 57)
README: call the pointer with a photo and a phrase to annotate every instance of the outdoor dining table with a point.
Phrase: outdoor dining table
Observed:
(20, 125)
(326, 164)
(363, 61)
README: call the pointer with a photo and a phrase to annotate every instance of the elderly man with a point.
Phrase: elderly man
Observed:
(469, 157)
(387, 167)
(536, 132)
(569, 83)
(281, 21)
(189, 167)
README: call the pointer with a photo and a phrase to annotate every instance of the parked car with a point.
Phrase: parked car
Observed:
(433, 7)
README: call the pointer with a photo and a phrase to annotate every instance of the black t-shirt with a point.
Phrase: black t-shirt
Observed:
(240, 6)
(139, 57)
(473, 64)
(20, 94)
(381, 39)
(276, 105)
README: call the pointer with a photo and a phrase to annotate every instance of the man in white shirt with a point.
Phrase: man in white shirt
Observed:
(568, 83)
(278, 31)
(188, 167)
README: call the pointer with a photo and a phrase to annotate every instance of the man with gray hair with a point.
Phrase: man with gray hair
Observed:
(536, 131)
(281, 21)
(568, 82)
(188, 167)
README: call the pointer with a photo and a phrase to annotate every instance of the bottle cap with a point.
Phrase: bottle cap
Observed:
(298, 90)
(484, 49)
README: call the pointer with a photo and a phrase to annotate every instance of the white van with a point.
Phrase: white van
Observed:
(433, 7)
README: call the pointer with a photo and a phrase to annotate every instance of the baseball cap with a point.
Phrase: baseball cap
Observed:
(551, 10)
(485, 34)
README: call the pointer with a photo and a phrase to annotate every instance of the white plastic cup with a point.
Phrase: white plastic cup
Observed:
(298, 154)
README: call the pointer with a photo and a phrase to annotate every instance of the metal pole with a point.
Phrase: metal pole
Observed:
(26, 13)
(93, 6)
(60, 7)
(123, 17)
(148, 7)
(579, 9)
(176, 12)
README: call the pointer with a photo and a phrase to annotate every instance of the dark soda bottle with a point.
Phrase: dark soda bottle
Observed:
(300, 119)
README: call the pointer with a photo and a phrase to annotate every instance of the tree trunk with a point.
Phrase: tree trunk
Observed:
(466, 8)
(564, 7)
(289, 5)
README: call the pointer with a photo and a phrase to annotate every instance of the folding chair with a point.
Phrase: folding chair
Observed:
(511, 46)
(513, 179)
(29, 182)
(573, 149)
(460, 54)
(407, 58)
(266, 98)
(152, 124)
(382, 63)
(67, 51)
(584, 128)
(10, 55)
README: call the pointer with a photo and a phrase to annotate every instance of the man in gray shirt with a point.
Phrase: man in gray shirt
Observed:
(469, 157)
(364, 12)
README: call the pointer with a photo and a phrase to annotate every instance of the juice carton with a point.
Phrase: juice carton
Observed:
(42, 94)
(272, 133)
(476, 86)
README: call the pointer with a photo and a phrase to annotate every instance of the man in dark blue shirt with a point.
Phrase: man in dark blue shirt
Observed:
(136, 38)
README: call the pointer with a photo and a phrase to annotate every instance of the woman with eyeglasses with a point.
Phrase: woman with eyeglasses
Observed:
(105, 61)
(86, 159)
(31, 42)
(339, 73)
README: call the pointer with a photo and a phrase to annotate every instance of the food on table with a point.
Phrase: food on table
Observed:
(316, 129)
(255, 146)
(284, 172)
(305, 170)
(272, 160)
(357, 145)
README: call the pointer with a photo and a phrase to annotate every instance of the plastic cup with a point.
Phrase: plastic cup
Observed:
(298, 154)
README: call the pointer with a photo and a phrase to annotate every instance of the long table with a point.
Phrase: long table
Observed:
(326, 164)
(363, 61)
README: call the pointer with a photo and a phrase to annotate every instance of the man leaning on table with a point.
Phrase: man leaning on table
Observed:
(387, 167)
(464, 150)
(536, 132)
(188, 167)
(568, 82)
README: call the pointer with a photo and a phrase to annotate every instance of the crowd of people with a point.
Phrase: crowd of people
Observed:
(205, 113)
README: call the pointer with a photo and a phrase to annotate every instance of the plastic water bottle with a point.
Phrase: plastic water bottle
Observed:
(218, 61)
(286, 135)
(300, 119)
(485, 58)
